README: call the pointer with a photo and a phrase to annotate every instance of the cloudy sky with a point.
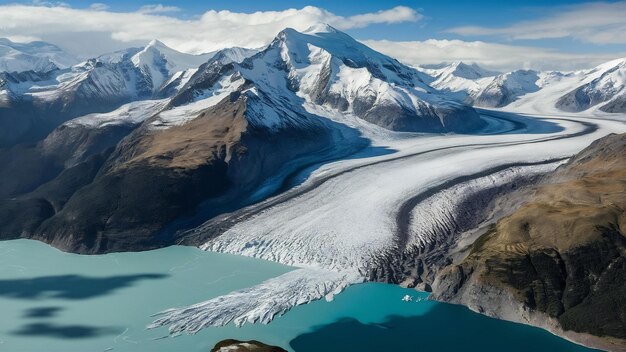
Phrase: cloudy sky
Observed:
(498, 35)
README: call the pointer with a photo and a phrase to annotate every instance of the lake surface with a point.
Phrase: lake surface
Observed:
(55, 301)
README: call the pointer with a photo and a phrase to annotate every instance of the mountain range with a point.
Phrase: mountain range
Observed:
(601, 88)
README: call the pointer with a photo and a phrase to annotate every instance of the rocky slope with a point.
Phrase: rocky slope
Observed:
(114, 188)
(559, 260)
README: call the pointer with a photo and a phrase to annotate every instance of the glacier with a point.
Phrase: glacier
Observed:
(347, 219)
(343, 215)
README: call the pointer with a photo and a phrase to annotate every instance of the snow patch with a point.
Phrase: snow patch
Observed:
(128, 114)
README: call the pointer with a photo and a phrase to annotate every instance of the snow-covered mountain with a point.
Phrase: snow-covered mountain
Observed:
(33, 56)
(506, 88)
(481, 87)
(458, 77)
(134, 73)
(100, 84)
(601, 88)
(326, 68)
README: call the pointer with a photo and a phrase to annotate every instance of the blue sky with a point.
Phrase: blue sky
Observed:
(559, 30)
(439, 16)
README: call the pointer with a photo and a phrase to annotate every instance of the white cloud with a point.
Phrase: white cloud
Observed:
(49, 3)
(397, 14)
(489, 55)
(92, 31)
(158, 9)
(96, 30)
(98, 6)
(21, 38)
(596, 22)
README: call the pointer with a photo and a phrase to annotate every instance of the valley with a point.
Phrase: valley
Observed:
(340, 165)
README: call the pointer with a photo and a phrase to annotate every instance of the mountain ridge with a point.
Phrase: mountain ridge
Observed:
(224, 129)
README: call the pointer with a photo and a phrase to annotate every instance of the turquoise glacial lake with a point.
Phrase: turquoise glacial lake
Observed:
(55, 301)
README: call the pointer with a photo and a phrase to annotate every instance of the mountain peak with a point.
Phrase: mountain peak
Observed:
(157, 44)
(468, 71)
(320, 28)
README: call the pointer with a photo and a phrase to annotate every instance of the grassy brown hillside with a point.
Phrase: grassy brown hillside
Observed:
(125, 197)
(563, 253)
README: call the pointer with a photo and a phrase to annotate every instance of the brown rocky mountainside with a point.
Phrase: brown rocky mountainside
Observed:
(244, 346)
(559, 261)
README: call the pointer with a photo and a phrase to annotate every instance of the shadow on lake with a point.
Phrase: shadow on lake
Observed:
(444, 328)
(42, 312)
(45, 329)
(70, 287)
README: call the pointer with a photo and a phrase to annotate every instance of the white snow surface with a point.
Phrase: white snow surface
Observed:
(128, 114)
(608, 79)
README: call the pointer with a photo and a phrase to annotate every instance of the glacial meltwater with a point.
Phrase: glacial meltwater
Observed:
(55, 301)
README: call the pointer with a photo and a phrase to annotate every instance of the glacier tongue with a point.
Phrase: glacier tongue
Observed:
(260, 303)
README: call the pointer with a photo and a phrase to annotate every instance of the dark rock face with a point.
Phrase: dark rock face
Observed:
(26, 167)
(563, 253)
(208, 74)
(617, 105)
(244, 346)
(579, 99)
